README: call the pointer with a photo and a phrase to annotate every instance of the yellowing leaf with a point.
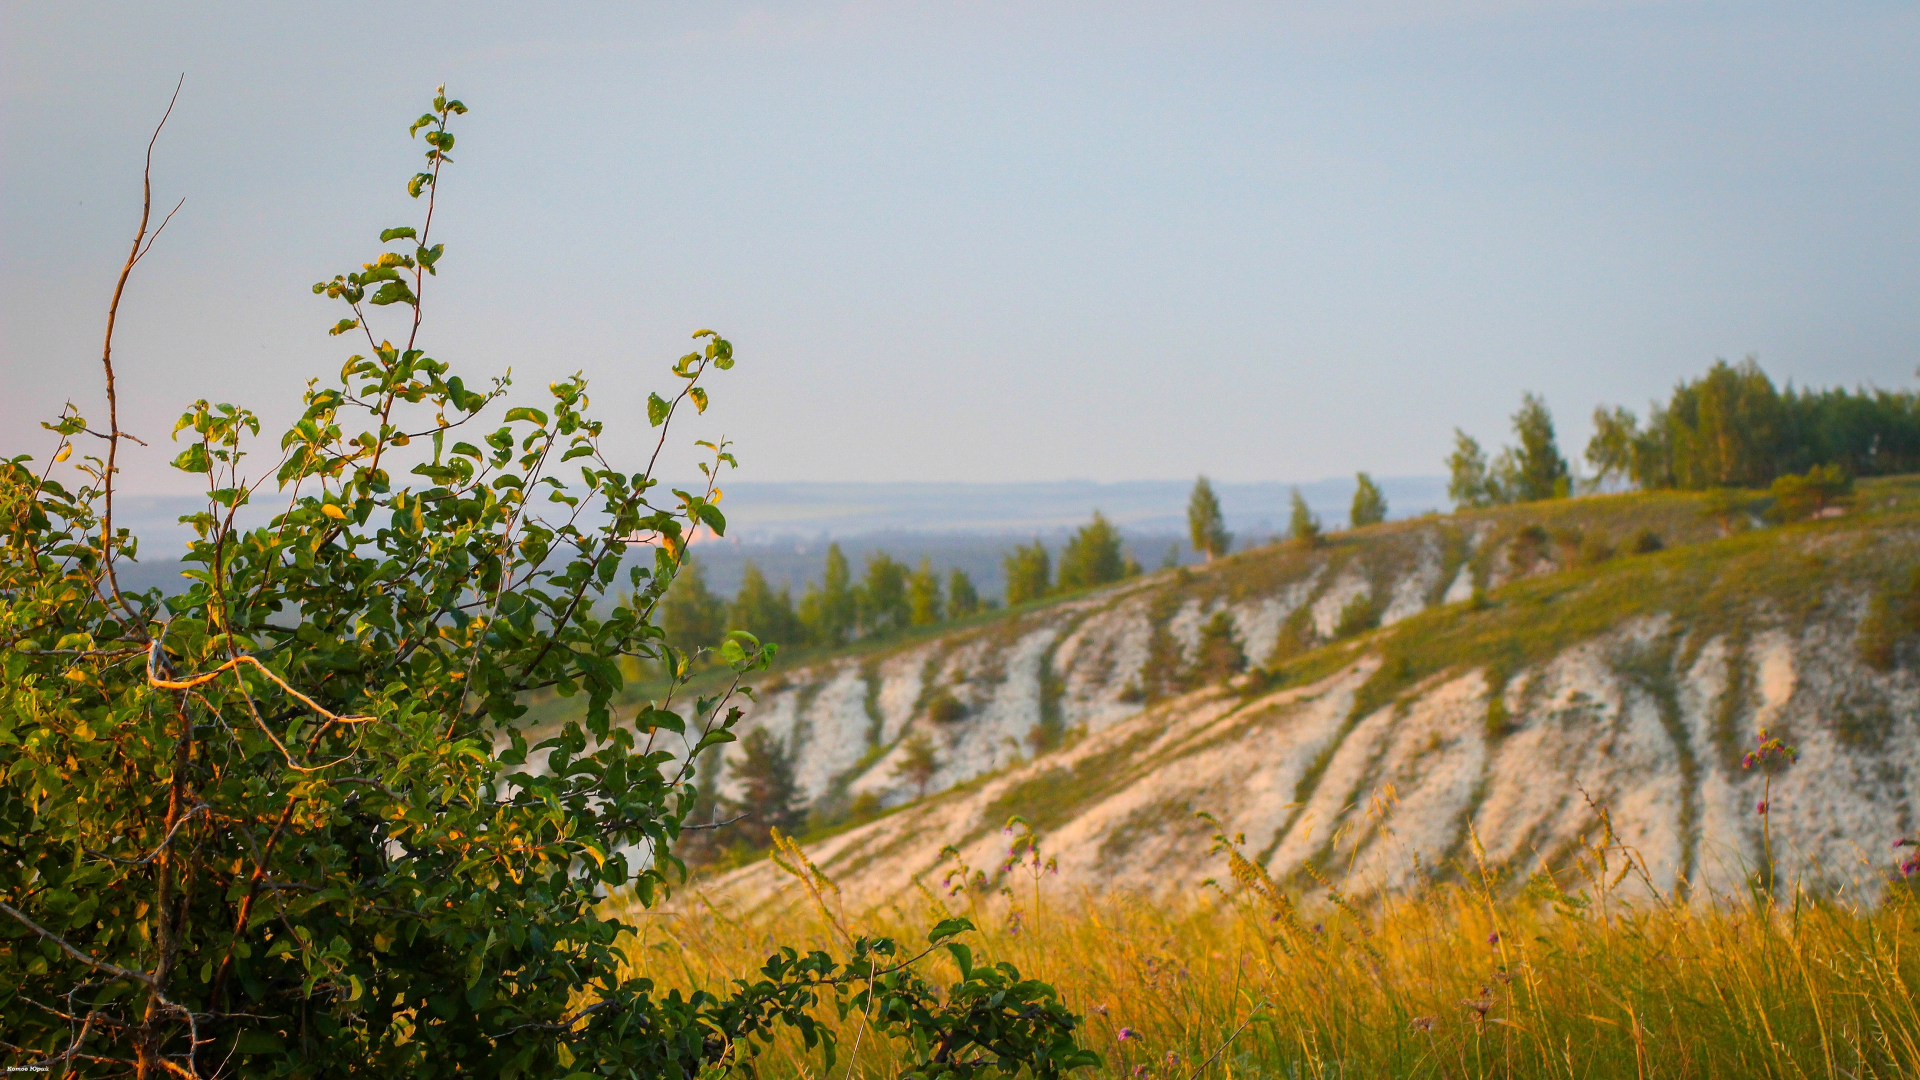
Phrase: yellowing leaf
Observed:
(65, 453)
(333, 511)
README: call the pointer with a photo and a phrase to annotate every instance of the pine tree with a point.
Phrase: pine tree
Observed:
(918, 763)
(962, 598)
(1163, 671)
(882, 599)
(1205, 523)
(1539, 471)
(829, 610)
(760, 611)
(769, 795)
(1220, 655)
(1093, 556)
(691, 615)
(1369, 503)
(1303, 528)
(923, 595)
(1029, 573)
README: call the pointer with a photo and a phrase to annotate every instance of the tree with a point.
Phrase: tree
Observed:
(1205, 524)
(1369, 503)
(768, 795)
(923, 596)
(1733, 428)
(1303, 528)
(829, 610)
(918, 763)
(1029, 572)
(1615, 434)
(1798, 497)
(760, 611)
(1093, 556)
(1467, 482)
(282, 823)
(1220, 655)
(691, 614)
(885, 608)
(1538, 472)
(962, 598)
(1163, 672)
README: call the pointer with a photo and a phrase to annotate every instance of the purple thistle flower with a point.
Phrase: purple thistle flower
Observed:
(1493, 938)
(1760, 808)
(1127, 1033)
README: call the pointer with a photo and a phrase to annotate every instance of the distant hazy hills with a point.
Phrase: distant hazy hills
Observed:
(785, 527)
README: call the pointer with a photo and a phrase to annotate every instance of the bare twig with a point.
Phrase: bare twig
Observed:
(140, 247)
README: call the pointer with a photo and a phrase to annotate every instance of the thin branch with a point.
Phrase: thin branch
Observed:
(155, 853)
(61, 943)
(106, 354)
(155, 666)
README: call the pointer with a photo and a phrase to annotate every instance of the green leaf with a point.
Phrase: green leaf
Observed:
(657, 409)
(403, 232)
(193, 459)
(393, 292)
(963, 957)
(522, 412)
(699, 397)
(710, 515)
(948, 928)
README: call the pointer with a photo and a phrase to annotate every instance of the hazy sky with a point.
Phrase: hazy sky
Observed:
(985, 241)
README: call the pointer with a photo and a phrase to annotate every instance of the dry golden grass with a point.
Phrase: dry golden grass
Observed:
(1467, 977)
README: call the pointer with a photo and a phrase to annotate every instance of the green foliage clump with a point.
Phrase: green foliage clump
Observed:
(1206, 525)
(1531, 472)
(943, 707)
(1219, 655)
(1093, 556)
(691, 614)
(289, 822)
(1893, 617)
(760, 611)
(1369, 503)
(1163, 672)
(1357, 616)
(882, 600)
(1303, 526)
(963, 599)
(1029, 573)
(830, 611)
(1733, 428)
(918, 762)
(924, 603)
(1796, 498)
(769, 796)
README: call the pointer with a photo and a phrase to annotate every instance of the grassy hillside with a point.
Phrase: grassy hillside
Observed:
(1506, 834)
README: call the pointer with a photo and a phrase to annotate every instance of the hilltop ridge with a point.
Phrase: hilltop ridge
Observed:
(1527, 668)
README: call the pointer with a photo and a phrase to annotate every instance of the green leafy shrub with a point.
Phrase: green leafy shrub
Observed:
(1796, 498)
(287, 823)
(943, 707)
(1357, 616)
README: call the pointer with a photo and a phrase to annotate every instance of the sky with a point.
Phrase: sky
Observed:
(983, 241)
